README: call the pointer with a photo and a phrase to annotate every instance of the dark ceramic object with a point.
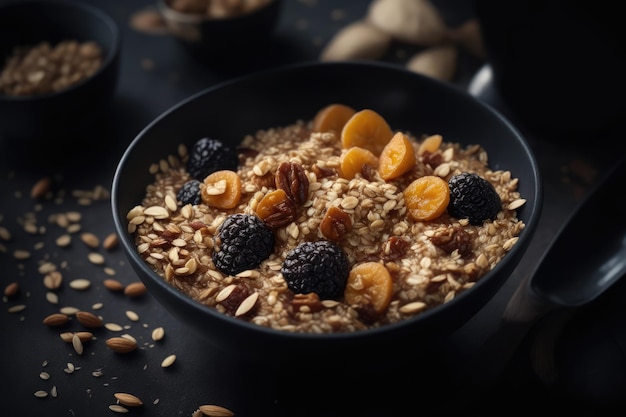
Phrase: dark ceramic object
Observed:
(559, 65)
(213, 40)
(279, 97)
(68, 112)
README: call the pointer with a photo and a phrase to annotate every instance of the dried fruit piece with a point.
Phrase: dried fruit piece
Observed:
(189, 193)
(474, 198)
(397, 157)
(366, 129)
(242, 242)
(321, 267)
(427, 197)
(335, 224)
(222, 189)
(354, 159)
(430, 144)
(276, 209)
(369, 283)
(209, 155)
(332, 118)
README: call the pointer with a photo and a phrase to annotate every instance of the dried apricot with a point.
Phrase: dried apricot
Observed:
(430, 144)
(397, 157)
(427, 197)
(366, 129)
(369, 283)
(221, 189)
(332, 117)
(353, 160)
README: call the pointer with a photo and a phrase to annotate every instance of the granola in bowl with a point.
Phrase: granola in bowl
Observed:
(330, 225)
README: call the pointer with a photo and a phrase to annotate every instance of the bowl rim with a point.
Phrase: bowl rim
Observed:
(130, 247)
(111, 55)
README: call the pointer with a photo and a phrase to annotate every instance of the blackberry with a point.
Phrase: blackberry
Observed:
(189, 193)
(474, 198)
(210, 155)
(242, 242)
(321, 267)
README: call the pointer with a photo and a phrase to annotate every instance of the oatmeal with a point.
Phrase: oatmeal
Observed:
(336, 224)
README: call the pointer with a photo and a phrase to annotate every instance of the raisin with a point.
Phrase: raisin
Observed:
(453, 238)
(335, 224)
(237, 295)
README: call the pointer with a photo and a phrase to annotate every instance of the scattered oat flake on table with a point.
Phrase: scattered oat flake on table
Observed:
(80, 284)
(169, 361)
(41, 394)
(116, 408)
(158, 333)
(96, 258)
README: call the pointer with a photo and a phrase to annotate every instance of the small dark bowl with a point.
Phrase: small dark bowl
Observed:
(64, 113)
(279, 97)
(212, 40)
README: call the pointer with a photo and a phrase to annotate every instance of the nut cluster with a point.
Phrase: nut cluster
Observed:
(44, 69)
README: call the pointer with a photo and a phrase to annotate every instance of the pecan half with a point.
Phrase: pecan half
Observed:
(291, 177)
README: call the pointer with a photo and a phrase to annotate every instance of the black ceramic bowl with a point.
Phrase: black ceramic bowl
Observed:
(280, 97)
(68, 111)
(213, 40)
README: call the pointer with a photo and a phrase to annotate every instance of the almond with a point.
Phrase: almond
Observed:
(110, 242)
(127, 399)
(41, 187)
(12, 289)
(56, 319)
(121, 344)
(83, 336)
(135, 289)
(113, 284)
(88, 319)
(215, 411)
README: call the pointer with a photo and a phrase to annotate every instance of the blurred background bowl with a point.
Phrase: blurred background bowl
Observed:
(409, 102)
(70, 111)
(232, 36)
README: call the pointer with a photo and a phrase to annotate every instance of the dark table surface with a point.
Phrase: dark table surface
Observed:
(155, 75)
